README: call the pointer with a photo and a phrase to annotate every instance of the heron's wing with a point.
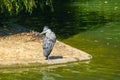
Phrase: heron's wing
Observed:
(52, 36)
(49, 40)
(48, 46)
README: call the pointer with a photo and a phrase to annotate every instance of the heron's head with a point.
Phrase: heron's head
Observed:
(45, 30)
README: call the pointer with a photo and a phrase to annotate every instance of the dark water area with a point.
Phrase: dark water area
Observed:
(90, 25)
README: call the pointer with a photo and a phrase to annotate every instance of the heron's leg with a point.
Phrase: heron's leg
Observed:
(47, 58)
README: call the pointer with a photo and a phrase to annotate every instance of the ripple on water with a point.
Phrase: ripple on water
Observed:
(108, 43)
(47, 78)
(95, 40)
(58, 75)
(109, 38)
(74, 71)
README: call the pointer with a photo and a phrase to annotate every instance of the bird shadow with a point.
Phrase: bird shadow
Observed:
(55, 57)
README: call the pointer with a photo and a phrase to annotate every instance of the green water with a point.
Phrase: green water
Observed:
(101, 40)
(104, 45)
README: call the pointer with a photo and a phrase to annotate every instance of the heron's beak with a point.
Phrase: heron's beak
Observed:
(43, 32)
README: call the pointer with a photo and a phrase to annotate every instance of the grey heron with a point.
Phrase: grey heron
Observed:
(49, 40)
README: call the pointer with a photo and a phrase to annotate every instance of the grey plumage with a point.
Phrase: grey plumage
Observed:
(49, 40)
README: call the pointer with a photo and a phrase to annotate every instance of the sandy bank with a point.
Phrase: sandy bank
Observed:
(23, 48)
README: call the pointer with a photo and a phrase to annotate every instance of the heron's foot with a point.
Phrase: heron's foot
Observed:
(46, 58)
